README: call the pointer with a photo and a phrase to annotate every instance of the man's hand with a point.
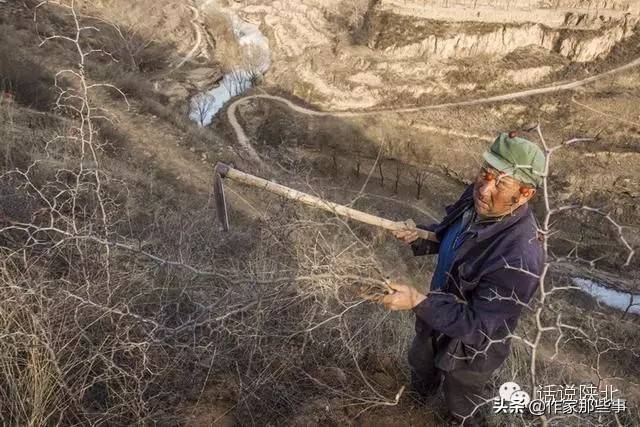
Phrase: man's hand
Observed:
(401, 297)
(406, 235)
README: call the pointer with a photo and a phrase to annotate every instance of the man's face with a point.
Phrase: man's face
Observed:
(496, 194)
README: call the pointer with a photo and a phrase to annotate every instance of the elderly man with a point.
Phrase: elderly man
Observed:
(488, 257)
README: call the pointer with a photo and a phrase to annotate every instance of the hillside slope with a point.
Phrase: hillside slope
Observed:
(123, 302)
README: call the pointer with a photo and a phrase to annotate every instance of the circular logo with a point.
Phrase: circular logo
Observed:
(520, 398)
(507, 389)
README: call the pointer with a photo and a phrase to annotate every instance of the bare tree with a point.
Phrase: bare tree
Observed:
(419, 177)
(356, 11)
(202, 104)
(381, 172)
(358, 160)
(399, 166)
(256, 62)
(237, 81)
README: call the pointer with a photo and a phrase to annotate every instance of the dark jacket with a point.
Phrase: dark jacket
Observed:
(482, 299)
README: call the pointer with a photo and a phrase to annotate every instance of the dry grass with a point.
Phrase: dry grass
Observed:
(121, 302)
(98, 329)
(25, 79)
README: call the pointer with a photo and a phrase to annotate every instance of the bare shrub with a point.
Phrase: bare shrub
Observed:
(102, 325)
(127, 35)
(356, 11)
(228, 52)
(122, 304)
(135, 85)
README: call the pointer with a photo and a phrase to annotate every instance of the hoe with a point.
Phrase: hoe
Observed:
(225, 171)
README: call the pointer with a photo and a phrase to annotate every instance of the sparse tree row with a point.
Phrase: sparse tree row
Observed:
(390, 171)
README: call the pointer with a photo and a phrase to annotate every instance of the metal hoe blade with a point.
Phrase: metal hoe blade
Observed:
(220, 202)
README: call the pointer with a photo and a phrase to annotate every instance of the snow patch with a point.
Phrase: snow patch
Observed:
(611, 297)
(257, 59)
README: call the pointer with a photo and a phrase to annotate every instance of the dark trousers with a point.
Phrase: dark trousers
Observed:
(463, 388)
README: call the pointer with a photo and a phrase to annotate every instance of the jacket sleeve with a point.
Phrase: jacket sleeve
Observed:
(423, 246)
(497, 297)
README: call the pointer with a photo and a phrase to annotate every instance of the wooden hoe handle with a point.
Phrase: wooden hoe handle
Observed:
(226, 171)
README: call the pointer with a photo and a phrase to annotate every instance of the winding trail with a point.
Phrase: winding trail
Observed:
(195, 23)
(244, 141)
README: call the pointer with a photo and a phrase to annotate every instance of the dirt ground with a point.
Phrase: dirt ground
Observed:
(373, 67)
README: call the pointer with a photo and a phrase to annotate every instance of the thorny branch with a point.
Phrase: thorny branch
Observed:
(101, 328)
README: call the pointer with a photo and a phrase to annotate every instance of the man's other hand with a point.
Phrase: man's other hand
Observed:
(401, 297)
(406, 235)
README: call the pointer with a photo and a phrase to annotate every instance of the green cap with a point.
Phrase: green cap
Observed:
(517, 157)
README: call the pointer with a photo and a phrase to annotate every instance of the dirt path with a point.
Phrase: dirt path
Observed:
(243, 139)
(196, 25)
(508, 96)
(241, 136)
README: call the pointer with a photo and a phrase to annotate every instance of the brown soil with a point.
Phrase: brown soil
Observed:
(247, 369)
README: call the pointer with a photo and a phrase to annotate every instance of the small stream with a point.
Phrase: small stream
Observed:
(256, 62)
(610, 297)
